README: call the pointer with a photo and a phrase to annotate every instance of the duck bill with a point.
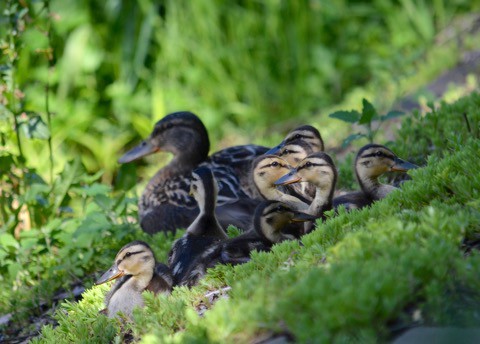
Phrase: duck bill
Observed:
(402, 165)
(276, 149)
(111, 274)
(143, 149)
(302, 217)
(289, 178)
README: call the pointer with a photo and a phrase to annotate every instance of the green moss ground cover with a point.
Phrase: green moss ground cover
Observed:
(364, 275)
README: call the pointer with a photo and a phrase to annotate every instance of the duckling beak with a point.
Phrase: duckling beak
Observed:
(302, 217)
(111, 274)
(143, 149)
(402, 165)
(290, 178)
(276, 149)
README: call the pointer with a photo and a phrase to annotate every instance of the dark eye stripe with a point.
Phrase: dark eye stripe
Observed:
(129, 254)
(311, 164)
(302, 136)
(274, 210)
(270, 165)
(382, 154)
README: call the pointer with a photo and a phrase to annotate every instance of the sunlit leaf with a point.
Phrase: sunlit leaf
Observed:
(7, 239)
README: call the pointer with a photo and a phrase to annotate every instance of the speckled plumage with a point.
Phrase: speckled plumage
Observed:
(165, 204)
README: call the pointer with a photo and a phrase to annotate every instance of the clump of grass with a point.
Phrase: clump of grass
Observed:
(358, 277)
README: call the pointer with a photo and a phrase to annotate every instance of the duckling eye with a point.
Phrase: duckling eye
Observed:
(286, 151)
(169, 125)
(378, 153)
(128, 254)
(308, 164)
(194, 187)
(274, 164)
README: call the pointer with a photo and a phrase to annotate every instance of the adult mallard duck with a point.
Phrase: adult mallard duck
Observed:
(371, 162)
(306, 134)
(165, 205)
(136, 270)
(204, 231)
(271, 218)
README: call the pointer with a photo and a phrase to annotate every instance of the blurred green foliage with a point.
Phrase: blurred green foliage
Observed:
(113, 67)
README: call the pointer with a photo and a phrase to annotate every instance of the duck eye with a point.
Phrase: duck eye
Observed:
(378, 153)
(194, 187)
(274, 164)
(308, 164)
(297, 136)
(128, 254)
(169, 125)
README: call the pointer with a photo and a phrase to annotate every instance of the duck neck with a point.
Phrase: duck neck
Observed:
(141, 281)
(273, 194)
(206, 222)
(322, 201)
(372, 187)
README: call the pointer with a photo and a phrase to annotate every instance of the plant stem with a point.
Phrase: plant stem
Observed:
(47, 91)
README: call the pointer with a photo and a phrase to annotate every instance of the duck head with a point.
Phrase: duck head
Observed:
(135, 259)
(181, 133)
(305, 133)
(271, 217)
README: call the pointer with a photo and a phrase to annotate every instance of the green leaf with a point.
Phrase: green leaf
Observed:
(346, 116)
(392, 114)
(368, 112)
(96, 189)
(352, 138)
(6, 239)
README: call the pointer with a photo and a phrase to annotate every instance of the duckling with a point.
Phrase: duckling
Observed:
(136, 270)
(165, 204)
(271, 218)
(371, 162)
(266, 170)
(203, 232)
(293, 153)
(305, 133)
(319, 170)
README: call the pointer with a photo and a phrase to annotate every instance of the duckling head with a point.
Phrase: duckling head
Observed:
(204, 188)
(305, 133)
(271, 217)
(176, 133)
(317, 168)
(294, 152)
(373, 160)
(266, 170)
(135, 259)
